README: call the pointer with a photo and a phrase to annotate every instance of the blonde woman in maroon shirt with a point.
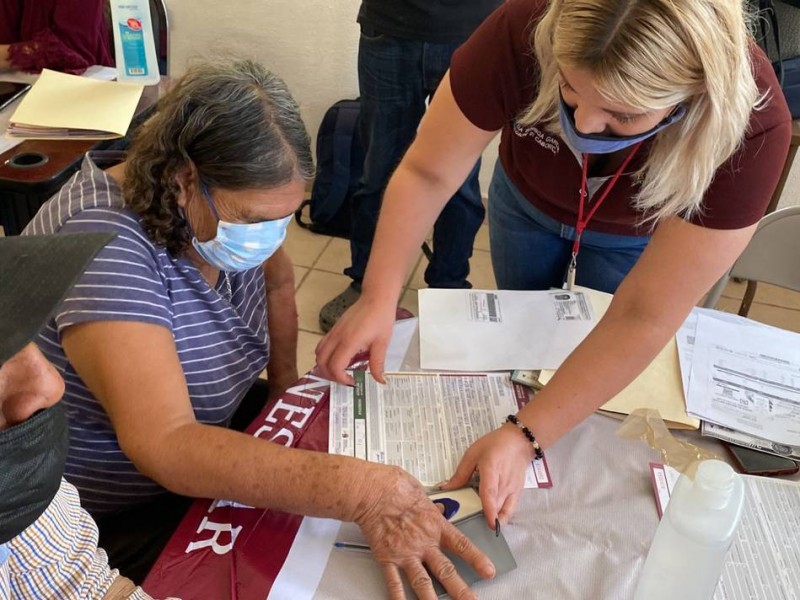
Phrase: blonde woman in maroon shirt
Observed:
(656, 120)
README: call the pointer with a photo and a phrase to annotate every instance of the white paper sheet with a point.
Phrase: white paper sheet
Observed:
(687, 333)
(402, 333)
(747, 378)
(305, 563)
(495, 330)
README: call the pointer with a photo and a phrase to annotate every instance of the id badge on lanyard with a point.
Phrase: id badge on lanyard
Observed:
(572, 269)
(583, 221)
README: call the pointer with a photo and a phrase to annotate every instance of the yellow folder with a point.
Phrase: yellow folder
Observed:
(658, 386)
(60, 106)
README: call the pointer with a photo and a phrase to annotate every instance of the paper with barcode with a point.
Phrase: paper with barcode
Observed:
(424, 422)
(494, 330)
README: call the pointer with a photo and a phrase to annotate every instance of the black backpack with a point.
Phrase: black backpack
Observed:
(340, 163)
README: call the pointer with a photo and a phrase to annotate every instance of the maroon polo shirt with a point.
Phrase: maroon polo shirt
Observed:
(493, 77)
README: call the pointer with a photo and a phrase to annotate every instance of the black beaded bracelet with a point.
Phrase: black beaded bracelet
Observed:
(528, 434)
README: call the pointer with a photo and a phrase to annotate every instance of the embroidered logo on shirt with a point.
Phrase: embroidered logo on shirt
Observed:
(544, 139)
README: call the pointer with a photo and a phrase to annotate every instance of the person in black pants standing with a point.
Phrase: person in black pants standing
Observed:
(403, 53)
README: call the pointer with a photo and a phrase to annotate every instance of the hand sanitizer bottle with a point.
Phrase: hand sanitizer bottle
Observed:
(694, 536)
(134, 46)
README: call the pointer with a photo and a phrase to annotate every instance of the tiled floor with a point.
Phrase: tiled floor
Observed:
(319, 262)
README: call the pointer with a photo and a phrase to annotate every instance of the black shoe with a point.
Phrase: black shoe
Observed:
(333, 310)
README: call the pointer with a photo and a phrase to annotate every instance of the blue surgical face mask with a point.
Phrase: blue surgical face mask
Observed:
(592, 143)
(240, 246)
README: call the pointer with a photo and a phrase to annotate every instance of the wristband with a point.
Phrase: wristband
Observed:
(528, 434)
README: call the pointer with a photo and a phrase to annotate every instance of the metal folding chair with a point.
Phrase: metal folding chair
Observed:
(772, 256)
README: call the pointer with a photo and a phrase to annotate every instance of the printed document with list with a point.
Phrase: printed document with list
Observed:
(686, 337)
(500, 330)
(424, 422)
(747, 379)
(764, 560)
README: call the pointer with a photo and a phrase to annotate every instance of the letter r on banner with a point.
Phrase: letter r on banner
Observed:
(218, 529)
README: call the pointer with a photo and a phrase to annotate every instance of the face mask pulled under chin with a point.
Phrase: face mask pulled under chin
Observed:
(591, 143)
(32, 456)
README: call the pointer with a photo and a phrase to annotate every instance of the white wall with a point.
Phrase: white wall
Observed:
(312, 44)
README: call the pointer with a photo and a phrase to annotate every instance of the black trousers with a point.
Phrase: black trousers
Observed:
(134, 538)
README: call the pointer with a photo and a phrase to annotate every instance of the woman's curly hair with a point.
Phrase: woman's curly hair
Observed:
(239, 126)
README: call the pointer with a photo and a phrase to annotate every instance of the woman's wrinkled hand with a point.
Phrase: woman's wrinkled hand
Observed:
(500, 458)
(408, 533)
(364, 327)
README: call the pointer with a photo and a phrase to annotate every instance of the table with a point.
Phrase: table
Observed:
(34, 170)
(586, 537)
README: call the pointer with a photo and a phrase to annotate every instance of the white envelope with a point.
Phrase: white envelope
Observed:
(500, 330)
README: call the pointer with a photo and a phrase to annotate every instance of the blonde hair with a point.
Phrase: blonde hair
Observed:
(650, 55)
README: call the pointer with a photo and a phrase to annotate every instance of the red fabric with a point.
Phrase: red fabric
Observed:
(247, 568)
(64, 35)
(493, 81)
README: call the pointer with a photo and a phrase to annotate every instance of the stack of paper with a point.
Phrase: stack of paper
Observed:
(743, 379)
(658, 386)
(61, 106)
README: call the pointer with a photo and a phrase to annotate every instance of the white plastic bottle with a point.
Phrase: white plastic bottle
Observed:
(689, 549)
(134, 46)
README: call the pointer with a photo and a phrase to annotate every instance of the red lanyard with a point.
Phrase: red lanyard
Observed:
(582, 222)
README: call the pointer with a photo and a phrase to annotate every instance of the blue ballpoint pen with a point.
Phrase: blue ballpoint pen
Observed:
(352, 547)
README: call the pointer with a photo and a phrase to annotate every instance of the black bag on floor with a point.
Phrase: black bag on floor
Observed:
(340, 162)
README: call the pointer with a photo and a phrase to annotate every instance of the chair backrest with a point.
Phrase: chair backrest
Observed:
(772, 256)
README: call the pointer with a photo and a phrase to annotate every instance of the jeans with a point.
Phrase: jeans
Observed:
(396, 77)
(531, 250)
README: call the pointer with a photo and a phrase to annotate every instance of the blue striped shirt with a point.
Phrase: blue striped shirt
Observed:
(222, 342)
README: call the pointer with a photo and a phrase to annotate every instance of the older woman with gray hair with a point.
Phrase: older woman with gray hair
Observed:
(172, 323)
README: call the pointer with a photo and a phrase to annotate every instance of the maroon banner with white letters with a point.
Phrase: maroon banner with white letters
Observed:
(226, 551)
